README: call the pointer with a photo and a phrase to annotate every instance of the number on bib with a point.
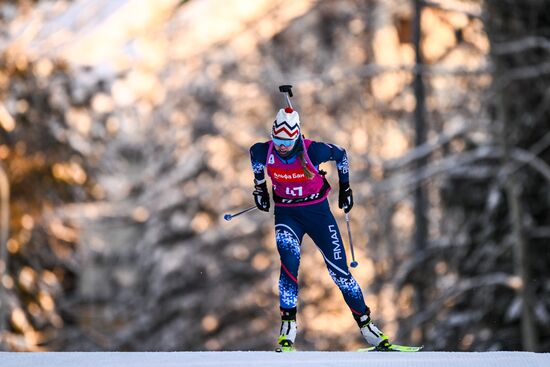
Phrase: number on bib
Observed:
(296, 191)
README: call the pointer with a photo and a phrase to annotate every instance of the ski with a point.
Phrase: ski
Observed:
(392, 348)
(285, 346)
(285, 349)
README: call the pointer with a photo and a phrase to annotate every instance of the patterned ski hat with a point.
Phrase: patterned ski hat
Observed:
(286, 124)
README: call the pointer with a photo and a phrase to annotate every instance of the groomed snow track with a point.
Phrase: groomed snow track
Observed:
(272, 359)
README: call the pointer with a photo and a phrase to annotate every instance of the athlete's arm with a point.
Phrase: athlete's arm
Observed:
(258, 157)
(324, 152)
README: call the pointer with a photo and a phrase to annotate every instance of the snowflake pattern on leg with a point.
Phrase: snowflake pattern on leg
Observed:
(289, 249)
(349, 287)
(288, 292)
(286, 241)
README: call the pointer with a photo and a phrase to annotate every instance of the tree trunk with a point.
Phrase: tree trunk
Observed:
(421, 222)
(518, 85)
(4, 234)
(521, 251)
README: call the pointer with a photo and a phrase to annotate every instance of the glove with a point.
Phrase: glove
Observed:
(345, 197)
(261, 196)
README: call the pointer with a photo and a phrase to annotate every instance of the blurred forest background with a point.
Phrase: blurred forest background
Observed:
(124, 135)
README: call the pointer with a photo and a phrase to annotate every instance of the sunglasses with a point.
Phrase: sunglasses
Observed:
(286, 142)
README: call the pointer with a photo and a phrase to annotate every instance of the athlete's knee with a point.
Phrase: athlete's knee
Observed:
(287, 242)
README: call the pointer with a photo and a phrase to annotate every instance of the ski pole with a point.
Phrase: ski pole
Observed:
(353, 263)
(287, 91)
(228, 217)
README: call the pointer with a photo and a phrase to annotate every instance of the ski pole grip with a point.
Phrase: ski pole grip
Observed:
(286, 89)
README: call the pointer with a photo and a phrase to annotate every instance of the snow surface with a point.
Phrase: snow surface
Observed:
(272, 359)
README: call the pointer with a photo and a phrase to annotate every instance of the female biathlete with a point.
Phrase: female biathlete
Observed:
(300, 193)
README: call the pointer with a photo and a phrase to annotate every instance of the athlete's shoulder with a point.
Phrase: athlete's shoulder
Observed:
(313, 142)
(260, 146)
(323, 146)
(320, 152)
(309, 143)
(259, 151)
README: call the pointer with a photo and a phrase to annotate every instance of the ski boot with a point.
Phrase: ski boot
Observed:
(372, 334)
(287, 334)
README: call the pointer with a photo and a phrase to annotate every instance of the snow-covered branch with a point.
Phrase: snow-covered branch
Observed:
(521, 45)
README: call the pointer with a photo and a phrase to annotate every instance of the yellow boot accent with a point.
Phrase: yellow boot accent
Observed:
(285, 345)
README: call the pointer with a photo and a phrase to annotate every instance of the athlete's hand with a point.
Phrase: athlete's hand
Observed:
(261, 196)
(345, 197)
